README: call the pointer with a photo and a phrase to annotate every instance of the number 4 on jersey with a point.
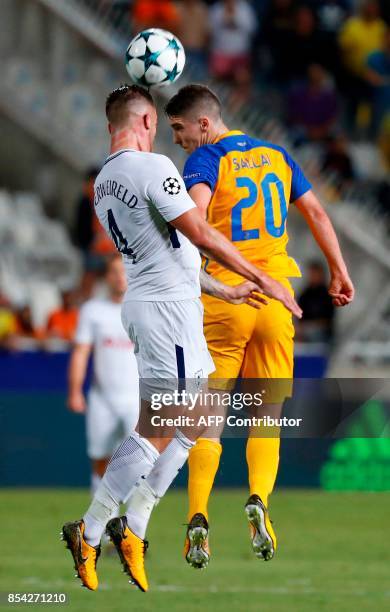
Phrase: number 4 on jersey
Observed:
(118, 238)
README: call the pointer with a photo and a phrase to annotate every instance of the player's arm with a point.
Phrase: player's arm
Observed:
(201, 194)
(341, 288)
(214, 245)
(244, 293)
(76, 376)
(78, 364)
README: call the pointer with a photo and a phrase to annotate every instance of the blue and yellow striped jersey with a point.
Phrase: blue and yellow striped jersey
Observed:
(252, 182)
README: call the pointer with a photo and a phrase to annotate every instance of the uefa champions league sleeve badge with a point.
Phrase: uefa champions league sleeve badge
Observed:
(171, 186)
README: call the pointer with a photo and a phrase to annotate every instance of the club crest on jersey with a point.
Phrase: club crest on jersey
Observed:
(171, 186)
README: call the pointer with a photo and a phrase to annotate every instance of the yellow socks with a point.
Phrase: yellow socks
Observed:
(203, 462)
(262, 455)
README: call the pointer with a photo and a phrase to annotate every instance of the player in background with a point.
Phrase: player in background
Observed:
(112, 407)
(244, 186)
(141, 201)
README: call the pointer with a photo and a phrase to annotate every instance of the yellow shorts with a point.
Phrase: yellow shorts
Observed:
(251, 343)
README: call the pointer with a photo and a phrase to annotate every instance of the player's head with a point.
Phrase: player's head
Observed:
(116, 275)
(131, 108)
(195, 116)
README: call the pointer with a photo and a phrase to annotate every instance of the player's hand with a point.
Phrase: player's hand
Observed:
(76, 402)
(341, 290)
(245, 293)
(276, 290)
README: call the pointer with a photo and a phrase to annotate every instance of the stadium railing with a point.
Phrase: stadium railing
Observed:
(95, 20)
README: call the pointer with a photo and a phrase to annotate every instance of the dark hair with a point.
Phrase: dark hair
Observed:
(193, 98)
(120, 97)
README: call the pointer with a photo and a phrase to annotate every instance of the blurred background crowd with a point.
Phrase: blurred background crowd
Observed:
(312, 75)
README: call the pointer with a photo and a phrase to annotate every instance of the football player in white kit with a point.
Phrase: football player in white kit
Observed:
(141, 200)
(112, 408)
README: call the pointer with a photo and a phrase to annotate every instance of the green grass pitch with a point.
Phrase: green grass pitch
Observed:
(333, 555)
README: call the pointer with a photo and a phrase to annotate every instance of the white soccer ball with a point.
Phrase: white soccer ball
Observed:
(155, 58)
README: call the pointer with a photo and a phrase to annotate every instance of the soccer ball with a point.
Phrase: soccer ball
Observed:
(155, 58)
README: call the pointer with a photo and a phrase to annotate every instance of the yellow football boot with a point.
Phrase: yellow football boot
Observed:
(196, 544)
(262, 534)
(131, 550)
(85, 556)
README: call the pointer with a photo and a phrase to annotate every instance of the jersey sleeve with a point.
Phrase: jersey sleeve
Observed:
(202, 166)
(299, 183)
(166, 190)
(85, 328)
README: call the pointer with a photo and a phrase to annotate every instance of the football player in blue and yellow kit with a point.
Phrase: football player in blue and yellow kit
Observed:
(244, 187)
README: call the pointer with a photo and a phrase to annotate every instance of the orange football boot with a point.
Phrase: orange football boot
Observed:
(85, 556)
(131, 550)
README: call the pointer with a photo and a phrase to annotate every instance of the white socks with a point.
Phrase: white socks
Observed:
(148, 491)
(95, 482)
(141, 503)
(134, 458)
(169, 463)
(135, 462)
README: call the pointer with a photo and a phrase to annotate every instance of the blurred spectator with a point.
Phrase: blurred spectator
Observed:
(8, 323)
(194, 33)
(331, 15)
(361, 35)
(233, 23)
(90, 236)
(25, 327)
(338, 162)
(304, 46)
(316, 324)
(62, 322)
(278, 24)
(154, 13)
(313, 106)
(378, 76)
(84, 212)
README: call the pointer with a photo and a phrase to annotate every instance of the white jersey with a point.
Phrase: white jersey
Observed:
(137, 194)
(114, 364)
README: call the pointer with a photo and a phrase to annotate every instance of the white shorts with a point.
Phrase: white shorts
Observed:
(168, 339)
(110, 419)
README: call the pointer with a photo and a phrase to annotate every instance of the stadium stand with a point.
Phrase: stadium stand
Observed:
(87, 39)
